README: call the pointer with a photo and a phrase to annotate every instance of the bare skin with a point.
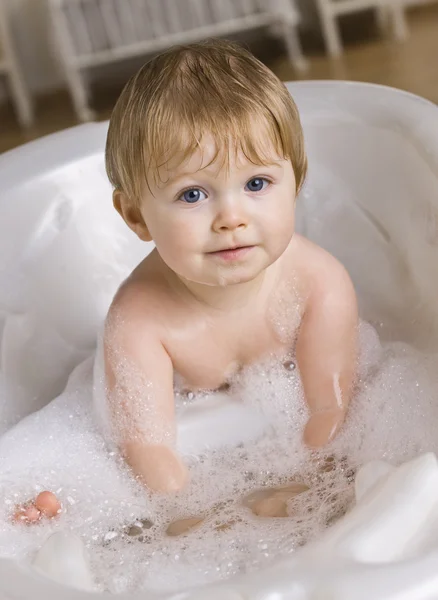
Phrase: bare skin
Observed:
(207, 346)
(45, 505)
(200, 309)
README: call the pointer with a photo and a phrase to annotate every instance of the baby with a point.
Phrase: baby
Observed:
(206, 155)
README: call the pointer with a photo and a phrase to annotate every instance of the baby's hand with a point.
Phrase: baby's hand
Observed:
(157, 466)
(323, 426)
(45, 504)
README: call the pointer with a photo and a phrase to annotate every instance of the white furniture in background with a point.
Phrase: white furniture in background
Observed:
(92, 33)
(389, 12)
(9, 68)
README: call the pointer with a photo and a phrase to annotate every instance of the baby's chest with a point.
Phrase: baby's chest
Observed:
(210, 358)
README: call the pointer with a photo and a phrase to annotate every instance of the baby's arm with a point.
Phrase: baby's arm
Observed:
(327, 353)
(139, 376)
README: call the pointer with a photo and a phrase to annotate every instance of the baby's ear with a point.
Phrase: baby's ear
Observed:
(131, 214)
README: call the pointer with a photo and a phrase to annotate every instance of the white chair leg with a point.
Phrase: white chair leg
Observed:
(79, 94)
(74, 79)
(21, 98)
(383, 17)
(330, 29)
(400, 25)
(20, 95)
(293, 47)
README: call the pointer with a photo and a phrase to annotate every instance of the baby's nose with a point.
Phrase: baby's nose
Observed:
(230, 216)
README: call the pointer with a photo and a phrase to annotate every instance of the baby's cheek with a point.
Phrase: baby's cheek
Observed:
(184, 244)
(279, 234)
(182, 249)
(188, 235)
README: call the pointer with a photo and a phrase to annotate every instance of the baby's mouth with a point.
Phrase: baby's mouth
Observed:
(232, 253)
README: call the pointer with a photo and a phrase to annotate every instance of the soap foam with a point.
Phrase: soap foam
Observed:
(392, 417)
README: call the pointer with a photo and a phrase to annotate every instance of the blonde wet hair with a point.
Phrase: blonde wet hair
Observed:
(216, 88)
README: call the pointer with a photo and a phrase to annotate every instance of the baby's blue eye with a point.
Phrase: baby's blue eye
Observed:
(192, 196)
(257, 184)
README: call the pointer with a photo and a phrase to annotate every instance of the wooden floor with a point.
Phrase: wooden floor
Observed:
(412, 66)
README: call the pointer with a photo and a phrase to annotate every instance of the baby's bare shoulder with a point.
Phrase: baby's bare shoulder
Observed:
(324, 277)
(135, 326)
(140, 303)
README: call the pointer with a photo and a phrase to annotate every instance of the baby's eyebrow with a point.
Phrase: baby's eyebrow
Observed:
(178, 176)
(268, 163)
(276, 163)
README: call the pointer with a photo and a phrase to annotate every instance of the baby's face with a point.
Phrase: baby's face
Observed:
(215, 225)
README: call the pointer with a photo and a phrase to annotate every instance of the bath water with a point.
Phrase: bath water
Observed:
(124, 528)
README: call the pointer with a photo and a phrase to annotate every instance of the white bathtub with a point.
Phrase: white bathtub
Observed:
(371, 199)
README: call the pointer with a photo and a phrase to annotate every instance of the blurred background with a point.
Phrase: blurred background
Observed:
(63, 62)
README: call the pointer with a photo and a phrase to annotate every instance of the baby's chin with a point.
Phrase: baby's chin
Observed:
(224, 277)
(232, 279)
